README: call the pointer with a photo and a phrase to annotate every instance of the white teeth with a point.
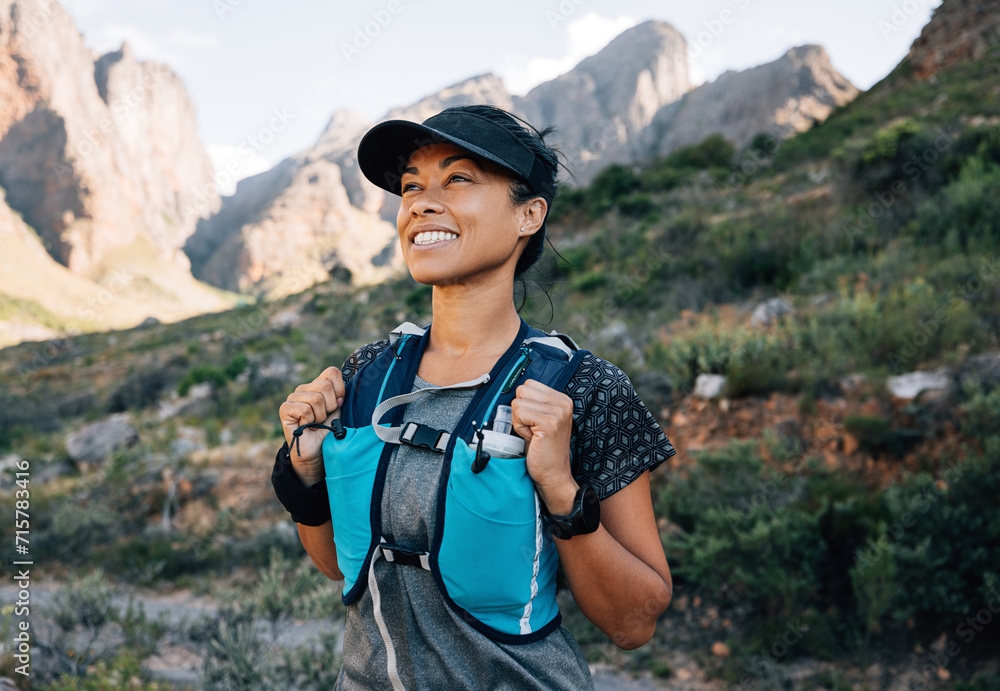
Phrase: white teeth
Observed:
(429, 236)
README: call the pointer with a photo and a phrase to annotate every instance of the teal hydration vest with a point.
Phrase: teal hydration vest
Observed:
(493, 563)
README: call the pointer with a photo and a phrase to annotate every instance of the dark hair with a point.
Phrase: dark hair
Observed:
(520, 190)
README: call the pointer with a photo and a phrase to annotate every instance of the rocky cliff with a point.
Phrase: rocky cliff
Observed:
(959, 30)
(102, 178)
(780, 98)
(95, 154)
(601, 107)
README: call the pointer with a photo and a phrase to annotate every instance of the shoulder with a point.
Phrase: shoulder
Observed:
(596, 378)
(362, 356)
(616, 438)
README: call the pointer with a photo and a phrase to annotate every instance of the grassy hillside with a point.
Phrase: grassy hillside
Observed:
(804, 495)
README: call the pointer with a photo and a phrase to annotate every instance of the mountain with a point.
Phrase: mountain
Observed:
(601, 106)
(95, 153)
(631, 100)
(959, 30)
(780, 99)
(99, 156)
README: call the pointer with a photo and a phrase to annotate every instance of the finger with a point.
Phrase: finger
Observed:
(294, 414)
(547, 396)
(325, 387)
(336, 377)
(315, 400)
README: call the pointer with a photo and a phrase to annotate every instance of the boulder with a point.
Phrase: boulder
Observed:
(709, 386)
(770, 311)
(95, 442)
(910, 385)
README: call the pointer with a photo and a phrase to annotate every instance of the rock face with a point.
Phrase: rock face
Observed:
(294, 225)
(95, 154)
(286, 228)
(602, 105)
(960, 30)
(780, 99)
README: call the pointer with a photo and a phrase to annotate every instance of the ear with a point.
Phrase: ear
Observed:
(532, 216)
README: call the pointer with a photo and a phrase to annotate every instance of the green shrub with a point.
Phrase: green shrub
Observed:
(946, 540)
(200, 374)
(981, 413)
(714, 151)
(638, 206)
(965, 215)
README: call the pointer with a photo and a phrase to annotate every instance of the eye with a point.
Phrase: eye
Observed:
(458, 176)
(407, 186)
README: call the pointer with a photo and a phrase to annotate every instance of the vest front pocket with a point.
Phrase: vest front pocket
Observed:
(351, 464)
(495, 560)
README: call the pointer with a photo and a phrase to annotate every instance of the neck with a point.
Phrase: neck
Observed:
(474, 319)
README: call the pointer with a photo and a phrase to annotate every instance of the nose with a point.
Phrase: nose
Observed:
(426, 203)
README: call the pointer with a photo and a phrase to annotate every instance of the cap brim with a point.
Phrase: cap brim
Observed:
(384, 151)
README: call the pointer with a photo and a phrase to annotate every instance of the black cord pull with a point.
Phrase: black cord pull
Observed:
(335, 426)
(482, 457)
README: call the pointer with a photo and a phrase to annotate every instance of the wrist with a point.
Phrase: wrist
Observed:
(559, 499)
(308, 475)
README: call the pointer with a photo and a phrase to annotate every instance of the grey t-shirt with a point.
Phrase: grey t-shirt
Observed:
(435, 648)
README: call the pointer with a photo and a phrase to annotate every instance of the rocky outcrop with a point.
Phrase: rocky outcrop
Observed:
(95, 154)
(96, 441)
(959, 30)
(601, 106)
(781, 98)
(296, 224)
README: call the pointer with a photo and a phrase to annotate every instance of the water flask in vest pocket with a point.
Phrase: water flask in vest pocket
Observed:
(501, 442)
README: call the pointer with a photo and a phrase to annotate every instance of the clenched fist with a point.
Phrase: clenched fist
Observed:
(317, 401)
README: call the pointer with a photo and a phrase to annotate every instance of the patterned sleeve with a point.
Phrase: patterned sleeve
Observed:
(361, 357)
(615, 438)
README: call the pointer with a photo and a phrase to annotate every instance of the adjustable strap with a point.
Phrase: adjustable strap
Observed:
(411, 432)
(556, 340)
(404, 556)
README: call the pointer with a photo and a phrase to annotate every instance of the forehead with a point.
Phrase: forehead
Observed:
(435, 154)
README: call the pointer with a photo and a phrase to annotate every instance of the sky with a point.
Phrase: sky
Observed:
(270, 74)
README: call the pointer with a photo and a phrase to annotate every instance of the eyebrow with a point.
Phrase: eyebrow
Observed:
(445, 162)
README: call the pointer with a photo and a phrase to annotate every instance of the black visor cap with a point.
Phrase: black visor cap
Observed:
(385, 150)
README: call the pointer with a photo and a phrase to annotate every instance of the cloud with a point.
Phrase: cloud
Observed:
(584, 37)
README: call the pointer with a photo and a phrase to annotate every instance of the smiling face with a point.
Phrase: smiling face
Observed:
(457, 222)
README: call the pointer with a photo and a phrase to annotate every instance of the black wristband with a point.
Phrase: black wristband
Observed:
(308, 505)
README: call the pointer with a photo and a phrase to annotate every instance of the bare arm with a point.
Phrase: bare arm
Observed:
(319, 544)
(618, 574)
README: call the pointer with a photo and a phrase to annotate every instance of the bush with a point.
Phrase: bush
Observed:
(946, 540)
(715, 151)
(965, 215)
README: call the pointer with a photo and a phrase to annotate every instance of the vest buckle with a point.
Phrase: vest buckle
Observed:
(424, 437)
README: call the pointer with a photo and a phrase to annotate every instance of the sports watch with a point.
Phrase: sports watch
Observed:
(585, 517)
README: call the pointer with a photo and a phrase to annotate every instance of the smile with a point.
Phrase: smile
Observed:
(432, 236)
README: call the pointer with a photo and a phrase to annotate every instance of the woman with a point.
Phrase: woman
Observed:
(427, 601)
